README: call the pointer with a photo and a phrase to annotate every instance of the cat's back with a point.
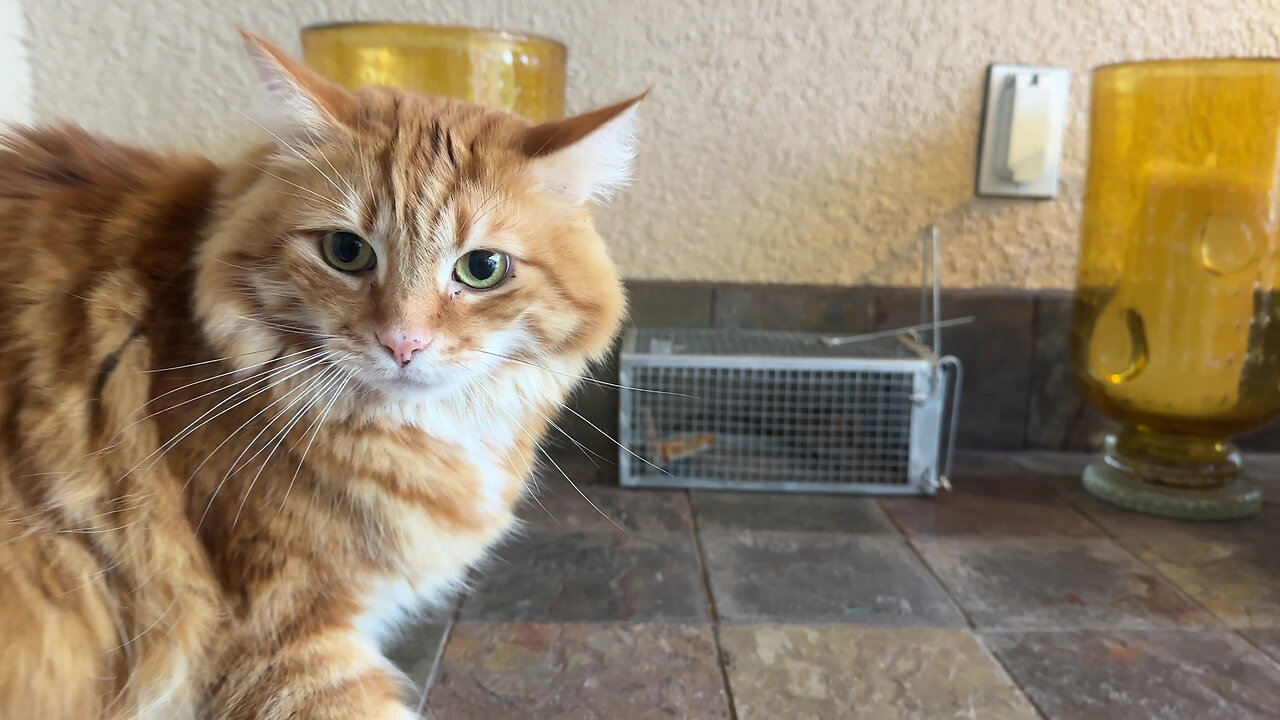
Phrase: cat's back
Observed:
(85, 201)
(47, 163)
(96, 242)
(80, 214)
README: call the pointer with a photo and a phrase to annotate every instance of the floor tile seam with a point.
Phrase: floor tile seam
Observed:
(1126, 547)
(705, 576)
(955, 603)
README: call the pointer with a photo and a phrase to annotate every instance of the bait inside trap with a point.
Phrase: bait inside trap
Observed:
(788, 411)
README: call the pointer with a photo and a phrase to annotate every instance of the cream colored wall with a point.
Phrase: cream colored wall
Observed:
(784, 142)
(15, 71)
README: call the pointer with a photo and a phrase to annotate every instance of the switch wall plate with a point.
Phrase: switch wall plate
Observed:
(1023, 121)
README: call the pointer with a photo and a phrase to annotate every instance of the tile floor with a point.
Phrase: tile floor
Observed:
(1015, 596)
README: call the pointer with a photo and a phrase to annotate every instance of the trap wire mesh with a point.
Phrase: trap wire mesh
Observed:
(781, 411)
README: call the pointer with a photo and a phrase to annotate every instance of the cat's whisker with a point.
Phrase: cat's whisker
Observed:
(516, 422)
(297, 330)
(139, 636)
(317, 424)
(351, 193)
(575, 487)
(588, 452)
(327, 201)
(324, 201)
(477, 216)
(336, 209)
(303, 388)
(239, 267)
(206, 362)
(298, 152)
(335, 374)
(137, 501)
(237, 430)
(235, 371)
(517, 468)
(90, 578)
(253, 373)
(279, 326)
(284, 329)
(93, 531)
(615, 442)
(31, 530)
(204, 419)
(584, 378)
(253, 379)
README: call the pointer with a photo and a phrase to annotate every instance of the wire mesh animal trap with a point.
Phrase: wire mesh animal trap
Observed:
(787, 411)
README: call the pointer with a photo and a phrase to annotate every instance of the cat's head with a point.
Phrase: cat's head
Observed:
(418, 243)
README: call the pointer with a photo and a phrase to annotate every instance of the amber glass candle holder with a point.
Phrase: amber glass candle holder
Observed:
(517, 72)
(1176, 328)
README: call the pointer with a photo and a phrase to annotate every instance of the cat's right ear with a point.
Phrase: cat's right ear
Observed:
(301, 100)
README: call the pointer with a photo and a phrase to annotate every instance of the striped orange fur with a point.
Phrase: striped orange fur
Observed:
(225, 476)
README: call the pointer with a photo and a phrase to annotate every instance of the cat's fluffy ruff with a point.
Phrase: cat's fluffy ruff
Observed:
(217, 493)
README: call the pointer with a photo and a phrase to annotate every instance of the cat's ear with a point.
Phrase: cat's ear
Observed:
(301, 99)
(588, 156)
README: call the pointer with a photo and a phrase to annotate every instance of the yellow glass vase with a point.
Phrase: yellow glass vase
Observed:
(517, 72)
(1176, 328)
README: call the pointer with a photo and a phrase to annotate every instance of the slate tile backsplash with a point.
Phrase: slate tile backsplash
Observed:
(1058, 416)
(1019, 389)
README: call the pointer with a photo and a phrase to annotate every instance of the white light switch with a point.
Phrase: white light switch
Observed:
(1022, 131)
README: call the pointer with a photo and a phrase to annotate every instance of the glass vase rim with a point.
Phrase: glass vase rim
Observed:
(1188, 62)
(457, 30)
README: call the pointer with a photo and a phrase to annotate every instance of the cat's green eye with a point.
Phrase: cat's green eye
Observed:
(482, 269)
(348, 252)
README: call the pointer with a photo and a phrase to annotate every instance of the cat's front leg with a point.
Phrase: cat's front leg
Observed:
(328, 674)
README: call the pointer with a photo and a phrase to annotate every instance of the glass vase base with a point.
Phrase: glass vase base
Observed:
(1238, 498)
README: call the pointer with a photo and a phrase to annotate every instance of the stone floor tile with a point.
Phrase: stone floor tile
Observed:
(990, 506)
(1114, 675)
(557, 507)
(1059, 584)
(591, 577)
(790, 513)
(805, 578)
(579, 672)
(819, 673)
(1231, 568)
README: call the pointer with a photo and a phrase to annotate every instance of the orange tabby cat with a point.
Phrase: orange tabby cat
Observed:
(252, 415)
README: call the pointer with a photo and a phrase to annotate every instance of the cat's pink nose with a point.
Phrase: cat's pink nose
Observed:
(402, 345)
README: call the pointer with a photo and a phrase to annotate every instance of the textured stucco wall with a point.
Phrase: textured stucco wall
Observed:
(784, 142)
(15, 71)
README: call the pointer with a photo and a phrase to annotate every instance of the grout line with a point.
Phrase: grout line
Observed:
(1013, 679)
(711, 604)
(429, 683)
(925, 564)
(1221, 624)
(1237, 632)
(973, 628)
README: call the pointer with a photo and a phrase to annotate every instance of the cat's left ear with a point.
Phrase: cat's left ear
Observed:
(588, 156)
(300, 98)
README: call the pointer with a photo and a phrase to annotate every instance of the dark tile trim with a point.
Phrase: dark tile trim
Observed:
(1020, 392)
